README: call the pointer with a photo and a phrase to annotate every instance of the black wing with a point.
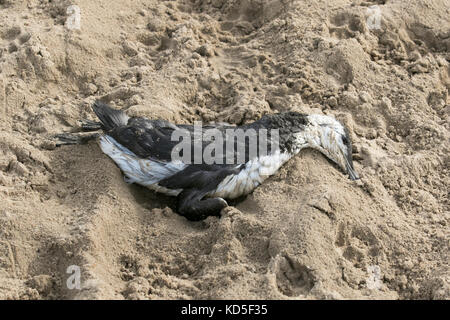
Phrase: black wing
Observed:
(146, 138)
(155, 138)
(202, 177)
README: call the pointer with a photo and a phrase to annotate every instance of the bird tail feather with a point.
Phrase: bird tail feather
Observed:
(109, 117)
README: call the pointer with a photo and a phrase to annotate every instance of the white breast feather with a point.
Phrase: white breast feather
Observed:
(141, 171)
(254, 173)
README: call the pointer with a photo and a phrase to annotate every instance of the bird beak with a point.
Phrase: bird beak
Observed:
(351, 172)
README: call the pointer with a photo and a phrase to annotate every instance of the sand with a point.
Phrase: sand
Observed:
(308, 232)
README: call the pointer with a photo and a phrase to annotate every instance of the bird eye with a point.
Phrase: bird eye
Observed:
(344, 140)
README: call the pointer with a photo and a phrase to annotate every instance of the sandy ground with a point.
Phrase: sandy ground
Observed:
(308, 232)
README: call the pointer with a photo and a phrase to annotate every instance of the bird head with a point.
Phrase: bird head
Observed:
(331, 138)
